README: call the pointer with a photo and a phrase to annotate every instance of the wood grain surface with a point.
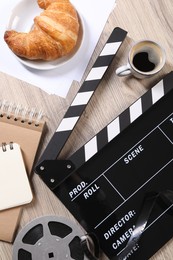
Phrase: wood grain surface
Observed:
(143, 19)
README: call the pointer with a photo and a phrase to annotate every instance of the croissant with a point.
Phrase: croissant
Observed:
(54, 33)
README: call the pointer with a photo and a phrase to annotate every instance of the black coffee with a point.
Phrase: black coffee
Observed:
(141, 62)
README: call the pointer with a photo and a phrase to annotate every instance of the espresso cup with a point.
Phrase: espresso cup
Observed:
(145, 59)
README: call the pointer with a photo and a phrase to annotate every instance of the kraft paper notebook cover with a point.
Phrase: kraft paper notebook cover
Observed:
(24, 127)
(15, 189)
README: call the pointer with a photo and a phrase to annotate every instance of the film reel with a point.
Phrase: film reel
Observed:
(50, 238)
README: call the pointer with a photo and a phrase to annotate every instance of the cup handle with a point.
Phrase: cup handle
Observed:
(123, 71)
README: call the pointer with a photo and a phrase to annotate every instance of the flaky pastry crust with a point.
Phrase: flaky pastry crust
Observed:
(54, 34)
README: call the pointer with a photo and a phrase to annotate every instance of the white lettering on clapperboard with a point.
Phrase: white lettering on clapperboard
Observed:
(133, 154)
(91, 191)
(77, 189)
(119, 224)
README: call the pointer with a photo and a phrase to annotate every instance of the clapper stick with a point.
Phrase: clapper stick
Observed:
(65, 168)
(83, 96)
(117, 125)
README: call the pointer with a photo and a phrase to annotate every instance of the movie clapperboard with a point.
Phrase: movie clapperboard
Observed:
(119, 185)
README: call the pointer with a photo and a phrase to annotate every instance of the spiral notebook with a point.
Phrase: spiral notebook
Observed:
(22, 126)
(15, 189)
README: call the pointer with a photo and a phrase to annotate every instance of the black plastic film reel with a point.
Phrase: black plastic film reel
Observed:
(52, 238)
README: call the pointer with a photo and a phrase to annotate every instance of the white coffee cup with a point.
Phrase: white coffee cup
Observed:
(145, 59)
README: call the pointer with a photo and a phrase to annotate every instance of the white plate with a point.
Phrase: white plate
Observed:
(21, 20)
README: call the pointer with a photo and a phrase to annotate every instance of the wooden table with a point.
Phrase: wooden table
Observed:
(144, 19)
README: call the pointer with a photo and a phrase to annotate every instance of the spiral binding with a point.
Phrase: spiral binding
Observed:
(18, 112)
(4, 146)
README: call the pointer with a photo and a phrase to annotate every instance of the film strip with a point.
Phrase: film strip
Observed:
(53, 237)
(83, 96)
(48, 168)
(149, 202)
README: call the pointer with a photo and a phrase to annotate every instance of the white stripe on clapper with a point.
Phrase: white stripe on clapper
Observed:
(90, 148)
(157, 91)
(96, 73)
(67, 124)
(82, 98)
(113, 129)
(135, 110)
(110, 48)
